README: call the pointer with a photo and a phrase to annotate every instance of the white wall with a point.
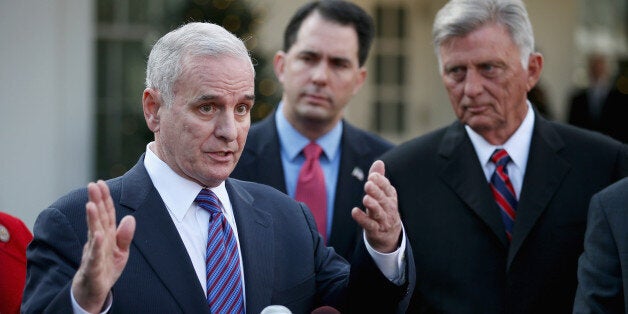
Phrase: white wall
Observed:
(46, 102)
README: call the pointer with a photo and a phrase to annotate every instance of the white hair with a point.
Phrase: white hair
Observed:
(461, 17)
(170, 52)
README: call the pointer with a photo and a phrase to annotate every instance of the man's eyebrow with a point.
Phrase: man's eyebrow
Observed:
(309, 52)
(206, 97)
(334, 58)
(340, 59)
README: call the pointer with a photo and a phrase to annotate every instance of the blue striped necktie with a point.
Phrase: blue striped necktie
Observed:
(224, 285)
(503, 191)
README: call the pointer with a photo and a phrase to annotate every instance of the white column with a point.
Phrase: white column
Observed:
(46, 102)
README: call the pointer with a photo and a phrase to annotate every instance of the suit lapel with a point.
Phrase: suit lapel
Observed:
(463, 173)
(254, 229)
(158, 241)
(352, 175)
(544, 173)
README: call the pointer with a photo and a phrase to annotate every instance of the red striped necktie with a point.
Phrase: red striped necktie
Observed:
(503, 191)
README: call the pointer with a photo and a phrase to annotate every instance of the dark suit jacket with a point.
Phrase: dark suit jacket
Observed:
(603, 267)
(283, 257)
(261, 162)
(579, 112)
(463, 260)
(613, 116)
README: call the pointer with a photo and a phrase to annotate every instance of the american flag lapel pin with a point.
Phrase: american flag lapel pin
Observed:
(358, 173)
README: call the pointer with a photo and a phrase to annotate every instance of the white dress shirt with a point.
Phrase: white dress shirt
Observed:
(191, 221)
(517, 146)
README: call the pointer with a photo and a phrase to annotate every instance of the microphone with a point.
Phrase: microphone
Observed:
(275, 309)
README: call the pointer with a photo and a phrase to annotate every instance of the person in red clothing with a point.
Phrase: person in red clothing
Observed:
(14, 237)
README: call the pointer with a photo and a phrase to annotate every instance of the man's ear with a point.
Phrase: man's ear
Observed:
(279, 64)
(151, 104)
(535, 66)
(360, 79)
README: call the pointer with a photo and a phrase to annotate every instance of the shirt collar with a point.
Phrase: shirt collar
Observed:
(178, 193)
(330, 142)
(517, 146)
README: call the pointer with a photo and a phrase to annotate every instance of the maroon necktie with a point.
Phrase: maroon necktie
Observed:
(311, 186)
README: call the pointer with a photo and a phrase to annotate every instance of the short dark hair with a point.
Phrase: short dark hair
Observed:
(337, 11)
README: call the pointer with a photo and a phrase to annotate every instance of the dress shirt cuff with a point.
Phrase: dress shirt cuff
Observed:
(76, 308)
(392, 265)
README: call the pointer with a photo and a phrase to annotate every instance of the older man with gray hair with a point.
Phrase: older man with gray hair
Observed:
(495, 204)
(176, 235)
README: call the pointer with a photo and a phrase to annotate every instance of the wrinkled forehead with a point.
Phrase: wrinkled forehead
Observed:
(189, 57)
(228, 74)
(219, 66)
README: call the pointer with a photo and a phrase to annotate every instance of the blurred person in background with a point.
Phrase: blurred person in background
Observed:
(601, 106)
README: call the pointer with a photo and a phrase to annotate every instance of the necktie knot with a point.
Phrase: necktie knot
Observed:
(208, 201)
(312, 151)
(500, 157)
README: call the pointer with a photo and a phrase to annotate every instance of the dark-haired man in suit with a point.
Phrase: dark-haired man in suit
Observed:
(321, 67)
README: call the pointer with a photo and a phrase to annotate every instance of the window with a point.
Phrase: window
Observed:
(390, 74)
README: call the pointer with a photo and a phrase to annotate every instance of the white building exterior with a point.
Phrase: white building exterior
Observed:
(46, 83)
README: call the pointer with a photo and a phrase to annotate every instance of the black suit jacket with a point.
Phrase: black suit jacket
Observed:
(261, 162)
(463, 260)
(284, 259)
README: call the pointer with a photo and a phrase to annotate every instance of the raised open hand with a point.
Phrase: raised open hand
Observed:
(381, 220)
(106, 252)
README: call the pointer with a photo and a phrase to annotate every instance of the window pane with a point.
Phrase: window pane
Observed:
(105, 9)
(401, 23)
(137, 11)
